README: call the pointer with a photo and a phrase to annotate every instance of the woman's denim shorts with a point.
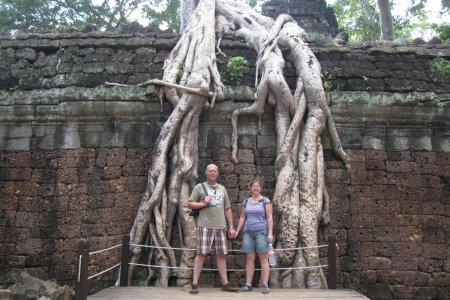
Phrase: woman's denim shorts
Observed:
(255, 241)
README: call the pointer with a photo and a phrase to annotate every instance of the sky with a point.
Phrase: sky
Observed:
(432, 7)
(400, 6)
(399, 9)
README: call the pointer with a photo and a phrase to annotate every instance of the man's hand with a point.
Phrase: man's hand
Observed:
(231, 233)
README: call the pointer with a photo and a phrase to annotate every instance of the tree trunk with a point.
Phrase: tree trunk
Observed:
(300, 198)
(385, 20)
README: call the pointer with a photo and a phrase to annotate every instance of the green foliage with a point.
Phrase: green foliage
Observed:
(443, 31)
(415, 20)
(327, 84)
(166, 13)
(163, 13)
(181, 72)
(440, 65)
(360, 19)
(235, 68)
(49, 15)
(12, 89)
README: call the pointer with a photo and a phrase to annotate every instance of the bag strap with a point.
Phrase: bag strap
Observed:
(204, 189)
(265, 201)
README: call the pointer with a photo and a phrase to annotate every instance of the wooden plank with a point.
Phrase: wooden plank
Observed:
(174, 293)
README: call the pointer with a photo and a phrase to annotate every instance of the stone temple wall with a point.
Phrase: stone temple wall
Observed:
(75, 154)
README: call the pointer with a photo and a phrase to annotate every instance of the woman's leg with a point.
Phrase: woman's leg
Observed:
(265, 269)
(249, 267)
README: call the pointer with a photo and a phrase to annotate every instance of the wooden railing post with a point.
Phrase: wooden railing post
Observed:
(125, 259)
(332, 254)
(81, 281)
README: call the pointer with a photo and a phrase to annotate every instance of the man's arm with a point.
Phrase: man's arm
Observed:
(197, 200)
(229, 218)
(197, 205)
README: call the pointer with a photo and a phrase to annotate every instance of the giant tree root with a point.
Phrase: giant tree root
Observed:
(300, 197)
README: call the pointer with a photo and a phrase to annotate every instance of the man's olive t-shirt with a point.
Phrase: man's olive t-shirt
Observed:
(212, 216)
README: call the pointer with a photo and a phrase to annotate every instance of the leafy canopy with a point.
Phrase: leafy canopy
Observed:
(49, 15)
(360, 19)
(166, 13)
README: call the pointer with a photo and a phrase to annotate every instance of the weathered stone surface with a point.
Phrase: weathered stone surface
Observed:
(76, 156)
(33, 288)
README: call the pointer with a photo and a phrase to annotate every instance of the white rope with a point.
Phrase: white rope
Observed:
(98, 274)
(296, 268)
(230, 250)
(103, 250)
(79, 267)
(301, 248)
(231, 270)
(158, 247)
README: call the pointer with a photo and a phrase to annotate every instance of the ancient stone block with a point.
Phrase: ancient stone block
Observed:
(246, 156)
(416, 279)
(221, 154)
(398, 166)
(433, 235)
(430, 265)
(431, 208)
(402, 292)
(334, 176)
(29, 246)
(405, 264)
(433, 251)
(361, 234)
(362, 177)
(247, 141)
(245, 169)
(425, 157)
(111, 172)
(226, 167)
(265, 152)
(230, 181)
(379, 263)
(351, 264)
(67, 175)
(379, 291)
(362, 205)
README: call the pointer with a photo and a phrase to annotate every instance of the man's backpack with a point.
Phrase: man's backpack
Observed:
(195, 212)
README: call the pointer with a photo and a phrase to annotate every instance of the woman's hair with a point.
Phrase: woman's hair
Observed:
(258, 180)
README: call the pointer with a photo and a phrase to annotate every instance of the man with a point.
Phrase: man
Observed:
(211, 227)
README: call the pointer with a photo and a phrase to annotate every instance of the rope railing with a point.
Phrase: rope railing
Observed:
(229, 250)
(103, 272)
(229, 270)
(104, 250)
(82, 279)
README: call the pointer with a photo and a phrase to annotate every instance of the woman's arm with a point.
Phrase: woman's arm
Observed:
(241, 222)
(269, 210)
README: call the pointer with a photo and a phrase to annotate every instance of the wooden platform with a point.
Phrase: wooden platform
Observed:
(174, 293)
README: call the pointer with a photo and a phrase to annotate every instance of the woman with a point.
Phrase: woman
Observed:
(256, 220)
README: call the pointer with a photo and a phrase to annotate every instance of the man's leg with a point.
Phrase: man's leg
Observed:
(198, 265)
(222, 267)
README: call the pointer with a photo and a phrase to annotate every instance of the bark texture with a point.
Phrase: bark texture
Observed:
(385, 20)
(300, 198)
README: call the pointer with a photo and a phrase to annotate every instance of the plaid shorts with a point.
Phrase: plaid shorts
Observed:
(206, 237)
